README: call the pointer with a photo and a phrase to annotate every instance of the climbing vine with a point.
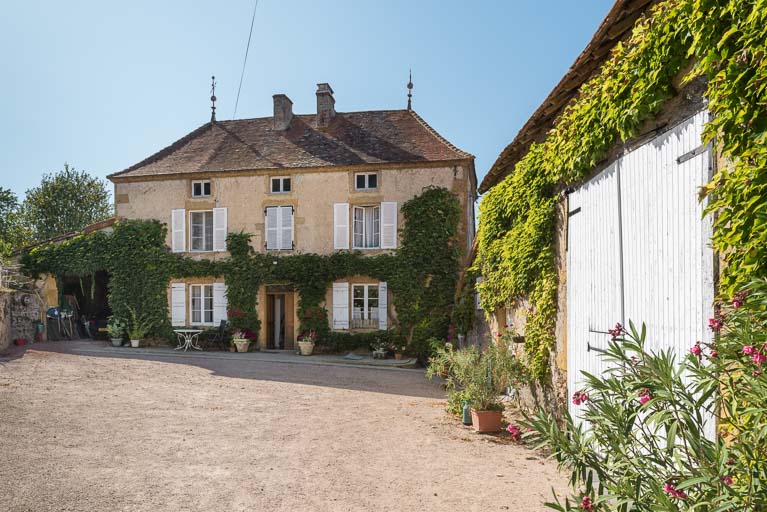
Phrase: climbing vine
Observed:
(421, 273)
(726, 40)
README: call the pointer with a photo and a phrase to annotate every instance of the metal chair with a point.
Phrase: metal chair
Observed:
(220, 335)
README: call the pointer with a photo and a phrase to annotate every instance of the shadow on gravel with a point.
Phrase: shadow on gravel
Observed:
(371, 379)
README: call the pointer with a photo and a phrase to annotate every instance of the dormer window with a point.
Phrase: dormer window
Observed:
(200, 188)
(366, 181)
(280, 185)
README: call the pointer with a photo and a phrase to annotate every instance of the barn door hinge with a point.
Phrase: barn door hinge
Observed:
(573, 212)
(692, 154)
(589, 348)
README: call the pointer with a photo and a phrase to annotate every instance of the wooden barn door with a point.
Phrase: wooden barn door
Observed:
(646, 207)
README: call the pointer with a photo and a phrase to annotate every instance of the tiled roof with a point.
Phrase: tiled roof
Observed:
(616, 25)
(352, 138)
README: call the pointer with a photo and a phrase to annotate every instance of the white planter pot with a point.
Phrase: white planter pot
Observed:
(117, 342)
(134, 343)
(306, 347)
(242, 345)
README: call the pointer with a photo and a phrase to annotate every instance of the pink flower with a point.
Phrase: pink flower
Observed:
(580, 397)
(759, 358)
(696, 349)
(645, 396)
(730, 461)
(500, 334)
(671, 489)
(514, 433)
(727, 480)
(736, 303)
(616, 331)
(749, 350)
(715, 324)
(714, 354)
(587, 504)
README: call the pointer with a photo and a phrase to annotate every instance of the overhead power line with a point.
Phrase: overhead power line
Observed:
(245, 60)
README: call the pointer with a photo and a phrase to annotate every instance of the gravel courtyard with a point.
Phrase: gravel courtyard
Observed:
(84, 431)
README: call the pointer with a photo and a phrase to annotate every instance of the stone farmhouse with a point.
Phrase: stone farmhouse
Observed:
(299, 183)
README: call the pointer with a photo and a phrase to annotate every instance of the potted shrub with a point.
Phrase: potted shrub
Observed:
(306, 343)
(138, 327)
(116, 329)
(240, 341)
(398, 346)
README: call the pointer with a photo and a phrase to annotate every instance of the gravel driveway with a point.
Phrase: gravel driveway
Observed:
(92, 432)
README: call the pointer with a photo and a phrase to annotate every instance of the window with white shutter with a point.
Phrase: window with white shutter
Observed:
(383, 305)
(340, 306)
(201, 304)
(178, 230)
(219, 303)
(279, 228)
(219, 229)
(201, 231)
(389, 225)
(178, 304)
(341, 226)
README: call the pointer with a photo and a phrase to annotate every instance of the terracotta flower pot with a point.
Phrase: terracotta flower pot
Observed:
(232, 348)
(398, 356)
(20, 341)
(486, 421)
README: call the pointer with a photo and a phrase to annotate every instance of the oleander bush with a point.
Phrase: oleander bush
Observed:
(641, 442)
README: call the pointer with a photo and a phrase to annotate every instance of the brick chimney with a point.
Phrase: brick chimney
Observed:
(283, 111)
(326, 104)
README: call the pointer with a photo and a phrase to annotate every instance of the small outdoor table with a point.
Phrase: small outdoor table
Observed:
(187, 338)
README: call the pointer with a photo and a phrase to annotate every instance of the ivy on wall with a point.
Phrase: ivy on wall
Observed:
(727, 41)
(421, 274)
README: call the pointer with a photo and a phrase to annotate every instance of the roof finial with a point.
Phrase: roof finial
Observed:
(410, 91)
(213, 99)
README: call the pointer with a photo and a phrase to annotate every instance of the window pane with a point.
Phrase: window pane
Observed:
(286, 185)
(372, 181)
(197, 231)
(373, 291)
(206, 188)
(196, 189)
(208, 231)
(359, 292)
(275, 185)
(359, 227)
(360, 181)
(196, 303)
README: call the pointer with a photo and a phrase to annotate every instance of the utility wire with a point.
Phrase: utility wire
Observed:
(245, 61)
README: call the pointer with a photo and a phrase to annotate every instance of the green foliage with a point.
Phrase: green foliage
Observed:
(478, 375)
(66, 201)
(139, 325)
(140, 266)
(14, 231)
(641, 443)
(116, 327)
(517, 217)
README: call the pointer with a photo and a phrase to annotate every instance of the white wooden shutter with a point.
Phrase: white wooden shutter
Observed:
(286, 228)
(383, 305)
(178, 304)
(340, 306)
(341, 226)
(272, 228)
(389, 225)
(219, 229)
(178, 230)
(219, 302)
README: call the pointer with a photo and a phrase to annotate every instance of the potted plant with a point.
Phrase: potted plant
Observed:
(306, 343)
(138, 327)
(240, 341)
(398, 346)
(116, 329)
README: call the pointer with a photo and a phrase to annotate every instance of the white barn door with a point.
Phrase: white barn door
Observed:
(644, 206)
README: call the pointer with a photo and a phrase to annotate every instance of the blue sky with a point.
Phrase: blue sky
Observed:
(102, 85)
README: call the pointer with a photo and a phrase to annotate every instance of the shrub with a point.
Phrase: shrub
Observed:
(640, 443)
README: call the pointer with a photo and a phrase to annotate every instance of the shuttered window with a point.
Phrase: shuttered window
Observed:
(279, 228)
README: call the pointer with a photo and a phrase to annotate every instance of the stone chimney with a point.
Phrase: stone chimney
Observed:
(283, 111)
(326, 104)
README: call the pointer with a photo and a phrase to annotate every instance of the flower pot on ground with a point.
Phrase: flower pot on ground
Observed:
(232, 348)
(306, 343)
(242, 344)
(486, 421)
(116, 329)
(138, 327)
(20, 341)
(398, 356)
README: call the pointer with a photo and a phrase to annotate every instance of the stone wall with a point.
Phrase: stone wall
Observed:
(5, 320)
(25, 313)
